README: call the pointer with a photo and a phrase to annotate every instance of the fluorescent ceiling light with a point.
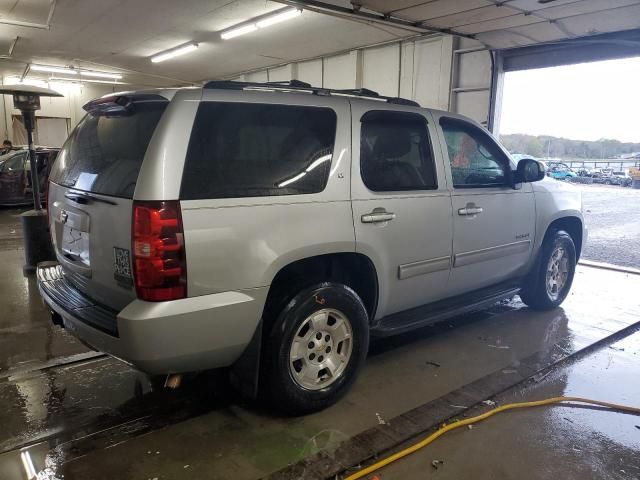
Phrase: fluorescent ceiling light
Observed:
(279, 17)
(91, 73)
(175, 52)
(86, 80)
(13, 80)
(74, 71)
(236, 32)
(47, 68)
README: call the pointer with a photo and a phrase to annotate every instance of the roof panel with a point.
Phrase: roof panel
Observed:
(386, 6)
(535, 5)
(469, 17)
(439, 8)
(498, 24)
(624, 18)
(582, 7)
(36, 11)
(521, 36)
(509, 23)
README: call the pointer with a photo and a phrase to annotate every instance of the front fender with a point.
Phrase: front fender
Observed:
(554, 201)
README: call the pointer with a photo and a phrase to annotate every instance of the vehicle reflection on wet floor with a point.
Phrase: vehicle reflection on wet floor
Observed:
(101, 419)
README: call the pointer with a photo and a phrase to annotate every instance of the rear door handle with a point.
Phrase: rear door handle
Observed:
(469, 211)
(377, 217)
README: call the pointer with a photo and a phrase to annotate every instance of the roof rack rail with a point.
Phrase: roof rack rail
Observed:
(298, 85)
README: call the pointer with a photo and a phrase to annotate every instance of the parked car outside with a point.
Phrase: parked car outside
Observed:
(561, 171)
(606, 176)
(602, 172)
(584, 172)
(607, 180)
(623, 177)
(15, 175)
(275, 229)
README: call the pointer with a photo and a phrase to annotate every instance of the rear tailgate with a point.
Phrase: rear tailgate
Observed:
(91, 192)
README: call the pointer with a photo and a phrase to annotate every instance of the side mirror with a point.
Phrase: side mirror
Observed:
(529, 170)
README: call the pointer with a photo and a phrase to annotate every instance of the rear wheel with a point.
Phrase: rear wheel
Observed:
(315, 349)
(549, 282)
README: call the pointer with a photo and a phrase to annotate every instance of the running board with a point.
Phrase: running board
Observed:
(442, 310)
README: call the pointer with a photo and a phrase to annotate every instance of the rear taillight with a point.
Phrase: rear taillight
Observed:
(159, 265)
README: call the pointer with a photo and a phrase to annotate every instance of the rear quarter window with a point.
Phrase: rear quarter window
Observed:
(251, 150)
(105, 151)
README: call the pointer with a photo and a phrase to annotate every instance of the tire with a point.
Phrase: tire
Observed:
(295, 380)
(536, 292)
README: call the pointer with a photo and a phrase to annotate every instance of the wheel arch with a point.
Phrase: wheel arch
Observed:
(355, 270)
(574, 226)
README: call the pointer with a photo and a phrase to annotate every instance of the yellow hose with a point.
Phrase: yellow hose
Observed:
(469, 421)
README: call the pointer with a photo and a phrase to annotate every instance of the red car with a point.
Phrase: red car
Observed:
(15, 175)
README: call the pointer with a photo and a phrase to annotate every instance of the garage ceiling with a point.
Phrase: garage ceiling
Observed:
(504, 24)
(120, 35)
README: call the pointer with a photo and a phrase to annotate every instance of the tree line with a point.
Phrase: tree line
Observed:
(545, 145)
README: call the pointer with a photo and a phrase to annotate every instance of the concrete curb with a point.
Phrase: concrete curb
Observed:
(609, 266)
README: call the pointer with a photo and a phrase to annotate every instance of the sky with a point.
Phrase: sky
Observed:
(587, 101)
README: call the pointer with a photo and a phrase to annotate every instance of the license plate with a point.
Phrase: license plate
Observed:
(75, 245)
(122, 267)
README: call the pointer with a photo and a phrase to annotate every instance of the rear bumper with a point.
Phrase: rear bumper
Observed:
(198, 333)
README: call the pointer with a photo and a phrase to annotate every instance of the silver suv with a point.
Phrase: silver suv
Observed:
(275, 228)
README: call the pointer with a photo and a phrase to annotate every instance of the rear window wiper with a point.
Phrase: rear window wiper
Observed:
(85, 197)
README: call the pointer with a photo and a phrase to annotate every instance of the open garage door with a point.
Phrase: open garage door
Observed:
(551, 30)
(571, 104)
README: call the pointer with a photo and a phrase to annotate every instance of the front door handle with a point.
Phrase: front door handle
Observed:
(377, 217)
(469, 210)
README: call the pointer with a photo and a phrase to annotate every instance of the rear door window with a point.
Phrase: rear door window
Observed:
(251, 150)
(105, 151)
(395, 152)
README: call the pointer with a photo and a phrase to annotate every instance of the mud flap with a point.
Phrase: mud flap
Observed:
(56, 319)
(245, 372)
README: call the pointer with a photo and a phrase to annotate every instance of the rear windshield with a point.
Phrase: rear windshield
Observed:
(250, 150)
(105, 151)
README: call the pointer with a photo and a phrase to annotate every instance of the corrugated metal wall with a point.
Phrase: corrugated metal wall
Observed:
(433, 71)
(420, 70)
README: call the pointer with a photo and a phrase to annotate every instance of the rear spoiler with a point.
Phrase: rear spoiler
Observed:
(119, 104)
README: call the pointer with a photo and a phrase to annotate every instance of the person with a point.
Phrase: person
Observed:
(6, 147)
(463, 157)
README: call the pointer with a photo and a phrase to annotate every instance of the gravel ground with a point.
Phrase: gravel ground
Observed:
(612, 215)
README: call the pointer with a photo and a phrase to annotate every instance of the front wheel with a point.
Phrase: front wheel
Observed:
(315, 349)
(550, 280)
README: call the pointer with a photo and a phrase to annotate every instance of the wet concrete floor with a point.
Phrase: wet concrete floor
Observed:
(99, 419)
(547, 442)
